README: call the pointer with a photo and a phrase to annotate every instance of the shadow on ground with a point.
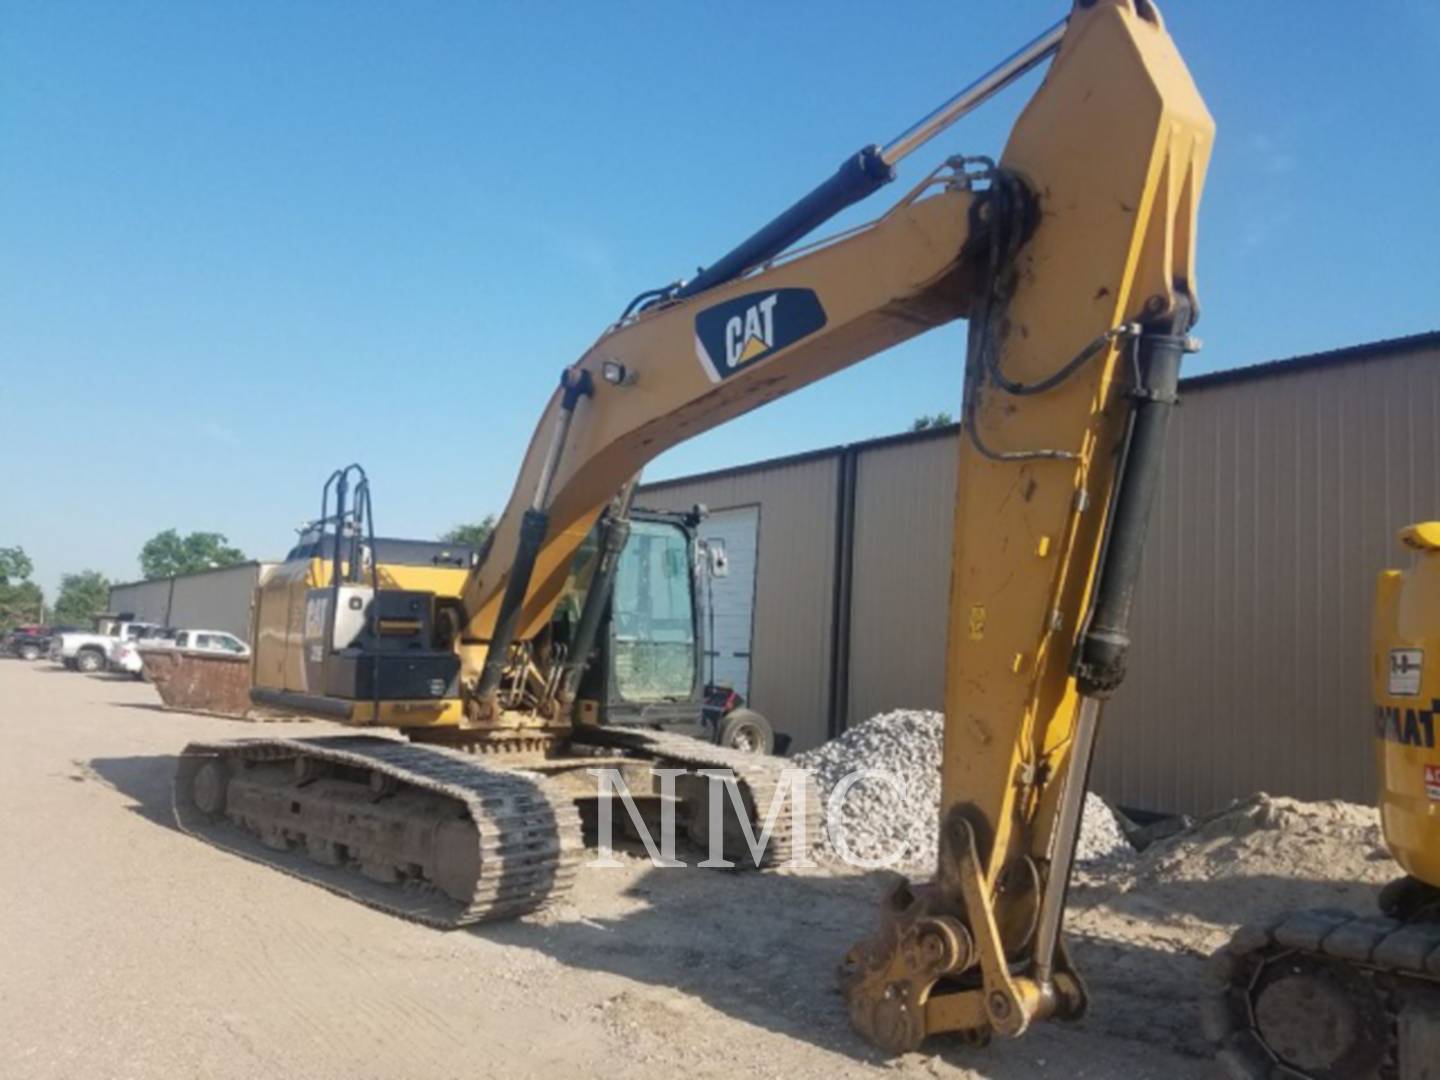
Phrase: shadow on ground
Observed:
(143, 779)
(764, 949)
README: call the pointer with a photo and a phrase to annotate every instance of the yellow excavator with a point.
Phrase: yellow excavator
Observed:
(1072, 258)
(1330, 995)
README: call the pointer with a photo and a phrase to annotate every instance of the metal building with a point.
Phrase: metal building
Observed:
(211, 599)
(1285, 484)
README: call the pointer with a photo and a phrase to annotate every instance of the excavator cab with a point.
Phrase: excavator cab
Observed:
(649, 668)
(649, 647)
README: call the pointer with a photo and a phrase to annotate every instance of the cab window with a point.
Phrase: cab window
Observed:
(652, 616)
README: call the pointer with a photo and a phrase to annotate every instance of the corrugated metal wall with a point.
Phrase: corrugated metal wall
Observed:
(212, 600)
(904, 509)
(1284, 488)
(790, 665)
(148, 601)
(1281, 501)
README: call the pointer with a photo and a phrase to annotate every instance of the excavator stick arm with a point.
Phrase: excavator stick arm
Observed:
(1058, 464)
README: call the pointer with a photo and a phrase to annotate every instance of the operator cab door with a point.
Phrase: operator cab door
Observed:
(653, 647)
(730, 629)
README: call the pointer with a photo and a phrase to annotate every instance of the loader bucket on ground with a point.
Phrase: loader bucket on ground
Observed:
(200, 681)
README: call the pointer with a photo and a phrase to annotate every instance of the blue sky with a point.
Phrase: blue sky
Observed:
(241, 243)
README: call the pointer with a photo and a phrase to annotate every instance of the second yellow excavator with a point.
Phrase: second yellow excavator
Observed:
(1072, 257)
(1332, 995)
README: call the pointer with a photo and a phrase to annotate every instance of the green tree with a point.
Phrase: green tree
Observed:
(82, 597)
(474, 534)
(167, 554)
(925, 423)
(21, 600)
(15, 565)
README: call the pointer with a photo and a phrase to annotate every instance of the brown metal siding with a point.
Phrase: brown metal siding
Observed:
(794, 580)
(211, 600)
(1281, 501)
(904, 503)
(219, 600)
(148, 601)
(1283, 493)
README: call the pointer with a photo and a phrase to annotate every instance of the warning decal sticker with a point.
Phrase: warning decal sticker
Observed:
(1405, 668)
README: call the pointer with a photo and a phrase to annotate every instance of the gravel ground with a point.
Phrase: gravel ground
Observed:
(895, 815)
(130, 950)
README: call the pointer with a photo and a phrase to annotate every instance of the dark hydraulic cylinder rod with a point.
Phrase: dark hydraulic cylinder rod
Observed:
(861, 175)
(1100, 661)
(864, 173)
(1105, 643)
(574, 385)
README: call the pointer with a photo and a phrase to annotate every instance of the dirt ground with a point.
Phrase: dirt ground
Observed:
(130, 950)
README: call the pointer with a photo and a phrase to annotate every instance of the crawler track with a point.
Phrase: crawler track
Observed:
(758, 776)
(422, 832)
(1324, 994)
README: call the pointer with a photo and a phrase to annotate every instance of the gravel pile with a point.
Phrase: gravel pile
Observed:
(900, 810)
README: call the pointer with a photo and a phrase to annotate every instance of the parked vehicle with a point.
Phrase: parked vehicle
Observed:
(89, 651)
(125, 652)
(209, 641)
(127, 658)
(126, 655)
(27, 642)
(31, 642)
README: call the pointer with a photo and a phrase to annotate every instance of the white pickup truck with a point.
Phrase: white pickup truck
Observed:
(89, 651)
(125, 656)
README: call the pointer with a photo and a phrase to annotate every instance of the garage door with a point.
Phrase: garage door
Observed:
(733, 596)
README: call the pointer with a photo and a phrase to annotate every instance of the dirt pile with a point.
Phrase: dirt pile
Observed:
(894, 805)
(1260, 857)
(1273, 836)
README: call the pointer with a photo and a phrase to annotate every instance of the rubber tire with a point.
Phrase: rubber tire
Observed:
(29, 652)
(749, 725)
(89, 661)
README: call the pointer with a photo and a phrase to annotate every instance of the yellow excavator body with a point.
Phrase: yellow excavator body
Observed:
(1330, 995)
(279, 630)
(1072, 257)
(1405, 679)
